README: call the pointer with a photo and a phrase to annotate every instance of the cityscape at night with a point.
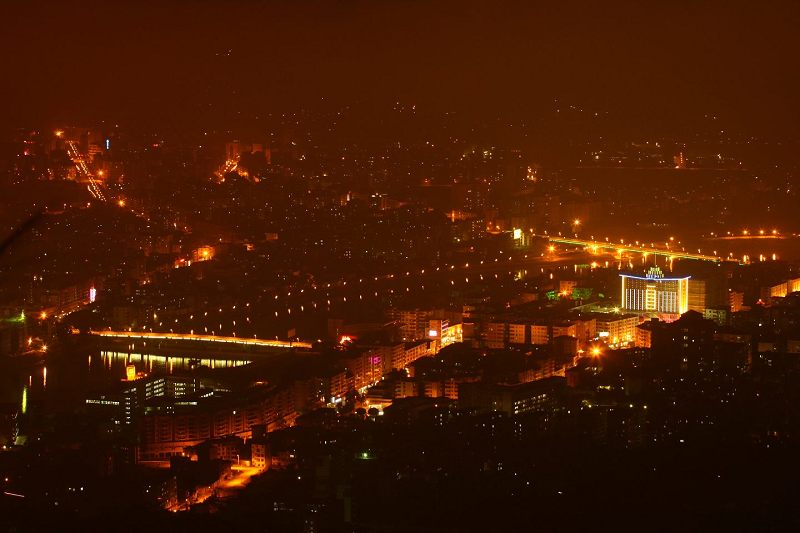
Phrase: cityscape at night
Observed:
(325, 266)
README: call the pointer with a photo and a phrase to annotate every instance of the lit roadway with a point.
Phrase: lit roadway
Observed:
(241, 476)
(238, 321)
(188, 337)
(596, 246)
(224, 488)
(80, 162)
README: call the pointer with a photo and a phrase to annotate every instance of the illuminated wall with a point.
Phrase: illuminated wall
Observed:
(781, 290)
(793, 285)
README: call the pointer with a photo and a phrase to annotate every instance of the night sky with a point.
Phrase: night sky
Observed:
(212, 62)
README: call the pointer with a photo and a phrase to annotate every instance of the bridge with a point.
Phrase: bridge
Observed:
(598, 246)
(186, 341)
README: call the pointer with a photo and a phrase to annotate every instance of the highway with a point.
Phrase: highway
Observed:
(80, 162)
(296, 305)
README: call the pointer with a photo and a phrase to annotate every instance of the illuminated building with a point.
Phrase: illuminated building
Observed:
(396, 356)
(565, 287)
(498, 335)
(541, 395)
(139, 391)
(516, 333)
(540, 334)
(614, 328)
(547, 368)
(365, 365)
(585, 331)
(707, 292)
(235, 149)
(406, 389)
(646, 330)
(697, 295)
(654, 293)
(417, 324)
(204, 253)
(495, 335)
(259, 453)
(412, 323)
(170, 425)
(717, 314)
(564, 330)
(735, 301)
(445, 332)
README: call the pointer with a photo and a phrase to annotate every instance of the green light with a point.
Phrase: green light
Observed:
(581, 293)
(24, 399)
(15, 319)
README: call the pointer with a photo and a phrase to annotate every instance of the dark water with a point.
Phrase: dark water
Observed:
(45, 387)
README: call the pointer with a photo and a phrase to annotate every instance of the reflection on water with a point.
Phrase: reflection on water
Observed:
(24, 402)
(116, 362)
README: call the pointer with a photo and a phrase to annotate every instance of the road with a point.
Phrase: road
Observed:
(80, 162)
(240, 479)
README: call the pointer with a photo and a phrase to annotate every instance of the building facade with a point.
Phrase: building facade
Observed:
(654, 293)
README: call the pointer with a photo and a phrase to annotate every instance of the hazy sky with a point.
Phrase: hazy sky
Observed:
(650, 61)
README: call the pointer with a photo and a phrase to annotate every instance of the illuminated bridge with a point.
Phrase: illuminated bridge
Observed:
(601, 246)
(144, 341)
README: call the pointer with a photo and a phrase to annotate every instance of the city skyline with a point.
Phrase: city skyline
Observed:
(399, 266)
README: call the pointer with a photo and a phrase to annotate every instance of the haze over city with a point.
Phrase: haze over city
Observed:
(399, 266)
